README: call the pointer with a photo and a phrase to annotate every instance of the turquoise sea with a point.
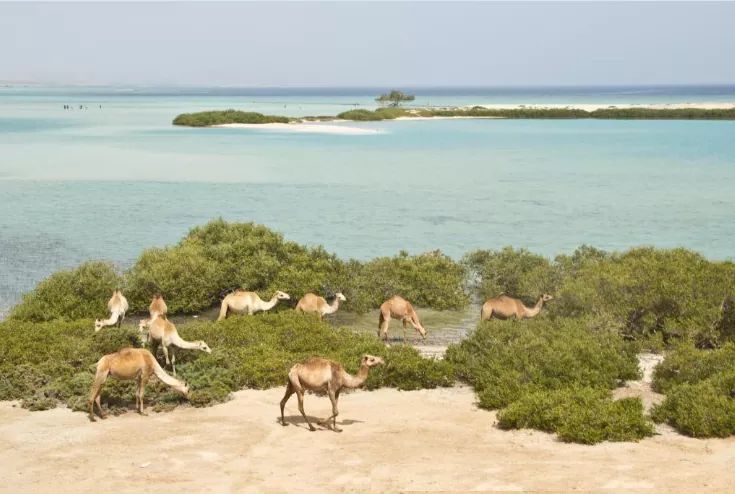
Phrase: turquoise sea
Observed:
(114, 177)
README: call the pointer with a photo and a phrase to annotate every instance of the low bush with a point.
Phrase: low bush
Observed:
(700, 391)
(69, 295)
(580, 415)
(427, 280)
(207, 118)
(543, 364)
(44, 364)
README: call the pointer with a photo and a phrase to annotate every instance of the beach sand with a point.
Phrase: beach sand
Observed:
(430, 440)
(597, 106)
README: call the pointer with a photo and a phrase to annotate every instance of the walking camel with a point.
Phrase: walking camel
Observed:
(129, 364)
(320, 374)
(398, 307)
(249, 302)
(315, 304)
(163, 331)
(505, 307)
(158, 306)
(118, 306)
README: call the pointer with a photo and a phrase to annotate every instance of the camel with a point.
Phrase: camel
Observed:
(158, 307)
(128, 364)
(399, 308)
(505, 307)
(161, 330)
(250, 302)
(118, 306)
(320, 374)
(318, 305)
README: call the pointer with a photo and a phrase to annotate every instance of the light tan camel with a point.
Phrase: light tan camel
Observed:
(118, 306)
(398, 307)
(163, 331)
(249, 302)
(128, 364)
(315, 304)
(505, 307)
(158, 306)
(322, 375)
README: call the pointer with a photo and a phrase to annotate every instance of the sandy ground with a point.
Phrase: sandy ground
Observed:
(431, 440)
(597, 106)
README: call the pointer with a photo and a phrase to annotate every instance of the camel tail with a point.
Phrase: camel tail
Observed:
(166, 379)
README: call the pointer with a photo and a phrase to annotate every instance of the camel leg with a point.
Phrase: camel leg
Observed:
(165, 353)
(94, 395)
(335, 412)
(289, 392)
(300, 395)
(173, 360)
(142, 380)
(383, 330)
(405, 326)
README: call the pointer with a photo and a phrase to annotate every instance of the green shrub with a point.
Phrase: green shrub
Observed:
(43, 364)
(580, 415)
(688, 365)
(504, 360)
(518, 273)
(69, 295)
(207, 118)
(698, 410)
(427, 280)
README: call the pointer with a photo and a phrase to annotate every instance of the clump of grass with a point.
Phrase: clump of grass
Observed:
(579, 415)
(548, 373)
(208, 118)
(69, 295)
(700, 391)
(54, 362)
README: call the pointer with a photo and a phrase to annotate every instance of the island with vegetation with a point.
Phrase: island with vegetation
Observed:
(557, 372)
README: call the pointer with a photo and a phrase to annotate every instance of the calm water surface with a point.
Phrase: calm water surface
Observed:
(104, 183)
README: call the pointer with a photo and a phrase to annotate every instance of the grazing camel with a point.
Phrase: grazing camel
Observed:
(158, 307)
(399, 308)
(163, 331)
(320, 374)
(128, 364)
(505, 307)
(315, 304)
(118, 306)
(250, 302)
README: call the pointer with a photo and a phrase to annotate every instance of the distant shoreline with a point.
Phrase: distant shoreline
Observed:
(653, 111)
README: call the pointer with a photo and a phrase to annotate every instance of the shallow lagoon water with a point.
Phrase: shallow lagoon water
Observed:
(105, 183)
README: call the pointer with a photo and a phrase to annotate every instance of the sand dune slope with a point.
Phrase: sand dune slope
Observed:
(392, 441)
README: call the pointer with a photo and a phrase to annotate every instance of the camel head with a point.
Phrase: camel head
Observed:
(282, 295)
(340, 297)
(203, 346)
(546, 297)
(422, 332)
(371, 360)
(97, 325)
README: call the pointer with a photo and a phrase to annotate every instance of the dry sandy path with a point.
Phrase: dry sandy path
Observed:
(429, 440)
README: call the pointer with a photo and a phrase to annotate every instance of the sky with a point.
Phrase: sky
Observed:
(368, 43)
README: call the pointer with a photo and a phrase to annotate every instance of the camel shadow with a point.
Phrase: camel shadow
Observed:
(298, 421)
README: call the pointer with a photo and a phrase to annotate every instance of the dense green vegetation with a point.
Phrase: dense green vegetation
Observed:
(700, 391)
(553, 375)
(202, 119)
(655, 296)
(214, 259)
(207, 118)
(47, 363)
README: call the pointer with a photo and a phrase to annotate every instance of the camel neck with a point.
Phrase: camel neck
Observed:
(357, 380)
